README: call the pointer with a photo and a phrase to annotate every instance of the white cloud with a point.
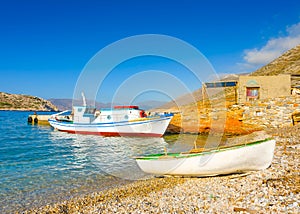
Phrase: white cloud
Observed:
(274, 48)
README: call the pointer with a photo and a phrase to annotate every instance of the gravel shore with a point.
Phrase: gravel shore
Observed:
(274, 190)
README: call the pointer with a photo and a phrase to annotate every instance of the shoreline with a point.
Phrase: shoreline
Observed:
(276, 189)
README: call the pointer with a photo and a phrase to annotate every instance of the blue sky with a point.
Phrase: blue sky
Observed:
(45, 45)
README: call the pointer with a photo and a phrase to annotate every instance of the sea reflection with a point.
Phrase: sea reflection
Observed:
(108, 155)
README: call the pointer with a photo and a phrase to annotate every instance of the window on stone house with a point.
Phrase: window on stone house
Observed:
(252, 93)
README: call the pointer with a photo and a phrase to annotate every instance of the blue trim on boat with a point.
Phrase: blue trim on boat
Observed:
(121, 123)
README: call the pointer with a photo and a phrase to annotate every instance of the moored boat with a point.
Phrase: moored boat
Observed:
(257, 155)
(116, 121)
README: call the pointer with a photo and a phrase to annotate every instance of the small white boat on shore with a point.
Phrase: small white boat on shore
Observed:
(117, 121)
(257, 155)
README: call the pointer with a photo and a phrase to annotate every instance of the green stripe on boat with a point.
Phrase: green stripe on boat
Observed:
(205, 152)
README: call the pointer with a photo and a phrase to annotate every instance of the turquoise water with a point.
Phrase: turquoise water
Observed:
(39, 165)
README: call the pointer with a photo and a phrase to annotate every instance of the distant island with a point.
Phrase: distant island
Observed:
(22, 102)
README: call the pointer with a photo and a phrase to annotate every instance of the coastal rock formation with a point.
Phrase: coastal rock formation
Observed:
(24, 103)
(236, 119)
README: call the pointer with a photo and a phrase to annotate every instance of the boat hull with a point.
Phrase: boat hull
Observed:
(152, 127)
(256, 156)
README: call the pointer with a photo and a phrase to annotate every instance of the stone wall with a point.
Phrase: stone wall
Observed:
(270, 113)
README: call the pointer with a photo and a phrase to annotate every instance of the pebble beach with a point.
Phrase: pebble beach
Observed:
(273, 190)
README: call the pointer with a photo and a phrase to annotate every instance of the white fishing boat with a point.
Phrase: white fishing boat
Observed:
(116, 121)
(257, 155)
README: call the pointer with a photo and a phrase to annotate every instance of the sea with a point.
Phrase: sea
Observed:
(40, 165)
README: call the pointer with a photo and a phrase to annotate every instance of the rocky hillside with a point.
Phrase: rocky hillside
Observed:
(24, 103)
(288, 63)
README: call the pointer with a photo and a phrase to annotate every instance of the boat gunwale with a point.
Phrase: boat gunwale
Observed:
(179, 155)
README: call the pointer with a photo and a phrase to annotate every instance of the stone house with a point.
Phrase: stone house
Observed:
(250, 88)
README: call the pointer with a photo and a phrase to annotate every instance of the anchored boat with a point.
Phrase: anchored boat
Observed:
(116, 121)
(257, 155)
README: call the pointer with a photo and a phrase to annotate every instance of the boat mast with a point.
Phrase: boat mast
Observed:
(83, 99)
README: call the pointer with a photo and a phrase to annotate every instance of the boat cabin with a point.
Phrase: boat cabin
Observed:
(89, 114)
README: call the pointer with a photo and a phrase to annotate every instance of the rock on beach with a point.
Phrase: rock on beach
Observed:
(273, 190)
